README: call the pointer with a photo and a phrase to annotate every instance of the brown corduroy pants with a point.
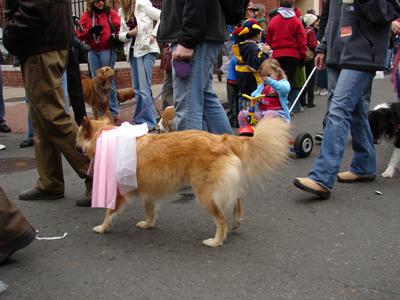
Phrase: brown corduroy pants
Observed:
(54, 130)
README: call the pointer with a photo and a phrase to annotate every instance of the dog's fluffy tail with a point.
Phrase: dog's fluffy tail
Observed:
(267, 149)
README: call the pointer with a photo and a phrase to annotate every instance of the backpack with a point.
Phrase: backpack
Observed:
(234, 10)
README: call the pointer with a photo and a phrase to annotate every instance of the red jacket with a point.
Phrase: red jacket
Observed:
(287, 37)
(311, 38)
(86, 21)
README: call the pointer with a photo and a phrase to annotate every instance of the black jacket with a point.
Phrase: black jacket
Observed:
(190, 22)
(37, 26)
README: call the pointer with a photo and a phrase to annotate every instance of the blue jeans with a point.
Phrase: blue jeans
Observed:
(99, 59)
(30, 127)
(367, 92)
(196, 104)
(65, 88)
(2, 106)
(346, 112)
(141, 69)
(389, 59)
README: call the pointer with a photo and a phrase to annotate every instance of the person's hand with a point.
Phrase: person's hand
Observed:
(96, 29)
(151, 37)
(133, 32)
(396, 27)
(266, 48)
(319, 61)
(302, 63)
(264, 78)
(84, 48)
(182, 53)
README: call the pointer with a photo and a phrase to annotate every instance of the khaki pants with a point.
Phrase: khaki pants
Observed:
(12, 223)
(54, 130)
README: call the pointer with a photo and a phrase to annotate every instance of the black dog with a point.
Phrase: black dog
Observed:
(384, 121)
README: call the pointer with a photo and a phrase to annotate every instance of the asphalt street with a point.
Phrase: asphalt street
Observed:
(290, 245)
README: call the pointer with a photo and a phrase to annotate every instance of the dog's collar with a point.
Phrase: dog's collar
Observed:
(107, 92)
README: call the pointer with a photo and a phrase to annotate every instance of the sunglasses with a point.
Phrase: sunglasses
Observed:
(98, 1)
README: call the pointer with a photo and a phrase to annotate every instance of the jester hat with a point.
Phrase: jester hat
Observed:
(250, 28)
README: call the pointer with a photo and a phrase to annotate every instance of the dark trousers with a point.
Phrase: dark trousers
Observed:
(289, 65)
(309, 90)
(233, 103)
(75, 86)
(12, 223)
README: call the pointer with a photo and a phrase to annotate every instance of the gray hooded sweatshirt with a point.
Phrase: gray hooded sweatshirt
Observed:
(357, 34)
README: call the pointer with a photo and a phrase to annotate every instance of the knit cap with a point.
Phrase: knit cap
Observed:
(250, 28)
(309, 19)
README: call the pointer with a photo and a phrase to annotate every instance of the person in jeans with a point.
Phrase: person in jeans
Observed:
(353, 65)
(3, 126)
(96, 33)
(142, 54)
(197, 31)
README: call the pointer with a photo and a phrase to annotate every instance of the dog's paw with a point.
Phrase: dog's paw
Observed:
(235, 225)
(387, 174)
(212, 243)
(143, 225)
(99, 229)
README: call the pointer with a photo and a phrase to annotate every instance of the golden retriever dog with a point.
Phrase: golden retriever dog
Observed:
(167, 122)
(96, 91)
(125, 95)
(215, 166)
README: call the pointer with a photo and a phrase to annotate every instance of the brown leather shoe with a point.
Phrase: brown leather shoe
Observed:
(85, 199)
(311, 186)
(219, 75)
(35, 194)
(348, 177)
(24, 240)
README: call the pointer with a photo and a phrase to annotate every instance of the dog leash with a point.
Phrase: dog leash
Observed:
(142, 112)
(105, 91)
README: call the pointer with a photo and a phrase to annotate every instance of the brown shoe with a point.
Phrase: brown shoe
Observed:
(35, 194)
(348, 177)
(85, 199)
(219, 75)
(311, 186)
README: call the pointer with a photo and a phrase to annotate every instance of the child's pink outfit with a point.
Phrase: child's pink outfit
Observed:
(115, 164)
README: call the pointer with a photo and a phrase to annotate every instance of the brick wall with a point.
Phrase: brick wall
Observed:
(270, 4)
(12, 76)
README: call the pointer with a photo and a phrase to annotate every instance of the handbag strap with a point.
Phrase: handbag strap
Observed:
(112, 26)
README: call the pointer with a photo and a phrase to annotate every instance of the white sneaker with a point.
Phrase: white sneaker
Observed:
(323, 92)
(2, 147)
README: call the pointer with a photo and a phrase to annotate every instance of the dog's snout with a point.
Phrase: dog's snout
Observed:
(79, 150)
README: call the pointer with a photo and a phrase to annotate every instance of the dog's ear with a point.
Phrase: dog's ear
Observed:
(85, 125)
(107, 117)
(100, 75)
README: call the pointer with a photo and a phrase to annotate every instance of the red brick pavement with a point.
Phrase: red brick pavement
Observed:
(16, 115)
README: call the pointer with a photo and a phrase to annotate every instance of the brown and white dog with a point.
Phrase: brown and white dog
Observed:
(216, 167)
(167, 122)
(96, 91)
(125, 95)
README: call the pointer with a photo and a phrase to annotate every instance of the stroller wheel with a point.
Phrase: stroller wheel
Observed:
(303, 145)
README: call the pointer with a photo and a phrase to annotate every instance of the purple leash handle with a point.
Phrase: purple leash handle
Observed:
(142, 112)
